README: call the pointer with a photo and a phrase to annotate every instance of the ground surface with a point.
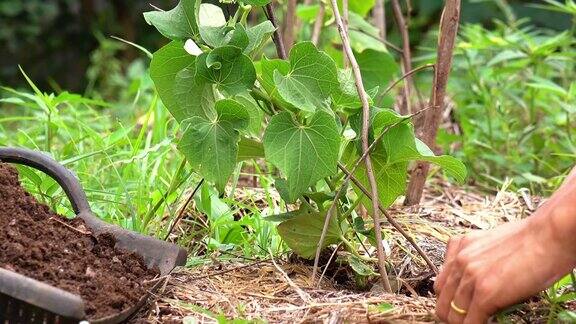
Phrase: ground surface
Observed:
(281, 291)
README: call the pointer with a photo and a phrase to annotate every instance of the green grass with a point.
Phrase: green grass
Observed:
(125, 156)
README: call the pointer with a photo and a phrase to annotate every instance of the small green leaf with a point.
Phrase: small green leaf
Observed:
(360, 267)
(211, 146)
(258, 35)
(225, 35)
(401, 145)
(304, 153)
(302, 232)
(179, 23)
(256, 114)
(227, 68)
(311, 79)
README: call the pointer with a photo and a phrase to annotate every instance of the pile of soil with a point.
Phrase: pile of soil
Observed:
(36, 242)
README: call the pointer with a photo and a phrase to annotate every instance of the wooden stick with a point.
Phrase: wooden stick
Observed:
(365, 143)
(429, 130)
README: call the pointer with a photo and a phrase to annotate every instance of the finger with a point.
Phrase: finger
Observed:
(451, 250)
(462, 299)
(447, 293)
(477, 313)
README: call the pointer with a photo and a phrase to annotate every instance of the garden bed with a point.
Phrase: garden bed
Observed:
(36, 242)
(281, 290)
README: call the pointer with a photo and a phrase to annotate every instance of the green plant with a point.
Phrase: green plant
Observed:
(301, 114)
(514, 91)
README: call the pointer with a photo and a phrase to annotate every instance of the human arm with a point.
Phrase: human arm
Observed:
(486, 271)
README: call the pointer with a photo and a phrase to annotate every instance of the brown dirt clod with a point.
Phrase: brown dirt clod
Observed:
(36, 242)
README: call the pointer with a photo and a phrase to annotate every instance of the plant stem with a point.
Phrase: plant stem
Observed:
(277, 37)
(183, 209)
(365, 147)
(289, 24)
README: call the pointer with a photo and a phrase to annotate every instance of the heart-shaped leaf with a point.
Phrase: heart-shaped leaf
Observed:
(305, 153)
(211, 146)
(227, 68)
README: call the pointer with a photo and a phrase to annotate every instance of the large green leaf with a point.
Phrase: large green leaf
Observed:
(378, 68)
(211, 146)
(227, 68)
(302, 232)
(304, 153)
(166, 63)
(178, 23)
(311, 79)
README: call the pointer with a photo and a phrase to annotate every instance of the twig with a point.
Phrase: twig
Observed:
(304, 296)
(365, 142)
(406, 75)
(406, 55)
(70, 227)
(183, 209)
(379, 15)
(429, 129)
(277, 37)
(289, 24)
(344, 185)
(391, 220)
(328, 264)
(318, 23)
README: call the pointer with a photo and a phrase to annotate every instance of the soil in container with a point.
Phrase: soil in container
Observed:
(36, 242)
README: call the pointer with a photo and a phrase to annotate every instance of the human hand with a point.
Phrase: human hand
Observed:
(487, 271)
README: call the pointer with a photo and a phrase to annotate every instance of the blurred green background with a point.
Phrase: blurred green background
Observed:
(56, 41)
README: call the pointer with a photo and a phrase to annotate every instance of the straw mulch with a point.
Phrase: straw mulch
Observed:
(279, 291)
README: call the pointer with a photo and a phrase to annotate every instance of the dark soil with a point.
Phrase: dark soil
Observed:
(36, 242)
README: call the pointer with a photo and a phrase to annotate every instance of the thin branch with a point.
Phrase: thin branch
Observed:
(319, 23)
(406, 75)
(277, 36)
(429, 130)
(365, 143)
(183, 209)
(379, 15)
(344, 186)
(391, 220)
(406, 55)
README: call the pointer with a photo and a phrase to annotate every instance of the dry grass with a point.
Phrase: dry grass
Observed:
(283, 292)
